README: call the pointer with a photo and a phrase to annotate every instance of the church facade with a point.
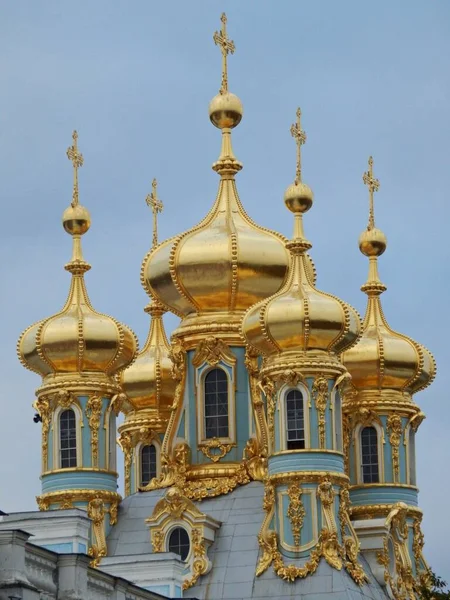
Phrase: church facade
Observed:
(269, 447)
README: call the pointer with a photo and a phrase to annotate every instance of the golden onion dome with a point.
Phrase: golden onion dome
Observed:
(299, 318)
(211, 274)
(384, 359)
(78, 339)
(148, 382)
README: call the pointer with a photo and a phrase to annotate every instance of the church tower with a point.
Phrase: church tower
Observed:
(300, 332)
(149, 390)
(78, 352)
(381, 420)
(209, 276)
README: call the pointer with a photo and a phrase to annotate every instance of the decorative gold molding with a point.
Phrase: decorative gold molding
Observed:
(416, 420)
(93, 412)
(78, 495)
(200, 564)
(96, 512)
(126, 444)
(320, 394)
(373, 511)
(212, 350)
(395, 428)
(261, 449)
(309, 476)
(213, 444)
(296, 511)
(42, 407)
(402, 582)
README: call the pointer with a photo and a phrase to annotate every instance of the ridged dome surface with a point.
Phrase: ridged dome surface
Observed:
(385, 359)
(300, 318)
(78, 339)
(148, 382)
(226, 263)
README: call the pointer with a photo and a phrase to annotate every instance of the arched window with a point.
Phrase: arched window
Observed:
(148, 463)
(412, 456)
(369, 455)
(179, 542)
(68, 439)
(295, 421)
(216, 404)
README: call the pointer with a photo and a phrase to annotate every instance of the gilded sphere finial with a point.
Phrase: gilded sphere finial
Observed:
(372, 242)
(298, 197)
(225, 110)
(76, 220)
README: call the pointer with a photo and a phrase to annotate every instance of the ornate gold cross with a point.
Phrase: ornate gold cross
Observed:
(77, 161)
(226, 46)
(373, 185)
(156, 205)
(300, 138)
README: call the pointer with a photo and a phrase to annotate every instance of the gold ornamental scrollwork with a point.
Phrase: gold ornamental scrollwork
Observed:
(320, 394)
(93, 413)
(157, 541)
(395, 429)
(402, 583)
(126, 444)
(261, 449)
(96, 512)
(42, 407)
(212, 350)
(215, 444)
(269, 389)
(296, 511)
(200, 564)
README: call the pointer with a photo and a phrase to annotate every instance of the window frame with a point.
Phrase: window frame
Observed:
(169, 534)
(57, 437)
(141, 449)
(201, 374)
(281, 408)
(138, 464)
(361, 464)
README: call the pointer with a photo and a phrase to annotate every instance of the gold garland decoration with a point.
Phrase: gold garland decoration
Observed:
(296, 511)
(215, 444)
(320, 395)
(93, 413)
(200, 564)
(394, 426)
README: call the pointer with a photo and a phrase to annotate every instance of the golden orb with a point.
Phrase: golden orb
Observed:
(76, 220)
(298, 197)
(372, 242)
(225, 110)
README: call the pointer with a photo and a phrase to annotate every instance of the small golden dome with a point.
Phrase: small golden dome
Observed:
(77, 339)
(384, 359)
(225, 110)
(299, 318)
(148, 382)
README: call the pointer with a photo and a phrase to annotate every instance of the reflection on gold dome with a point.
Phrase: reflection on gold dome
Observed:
(299, 318)
(78, 339)
(384, 359)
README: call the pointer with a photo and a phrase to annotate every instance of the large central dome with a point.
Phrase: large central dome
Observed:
(211, 274)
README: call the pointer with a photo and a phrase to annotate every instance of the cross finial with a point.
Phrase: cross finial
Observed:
(77, 160)
(156, 205)
(373, 185)
(226, 46)
(300, 138)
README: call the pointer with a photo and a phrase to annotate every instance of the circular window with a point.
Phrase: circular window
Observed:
(179, 542)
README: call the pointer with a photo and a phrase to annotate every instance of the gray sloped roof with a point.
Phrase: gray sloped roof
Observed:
(235, 551)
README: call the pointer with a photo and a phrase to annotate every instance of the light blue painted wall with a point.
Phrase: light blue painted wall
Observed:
(92, 480)
(63, 548)
(383, 495)
(304, 460)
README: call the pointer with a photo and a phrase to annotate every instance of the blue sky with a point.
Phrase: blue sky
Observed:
(135, 79)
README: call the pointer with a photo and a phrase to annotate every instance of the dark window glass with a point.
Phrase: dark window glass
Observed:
(295, 422)
(216, 404)
(148, 463)
(179, 542)
(68, 439)
(369, 455)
